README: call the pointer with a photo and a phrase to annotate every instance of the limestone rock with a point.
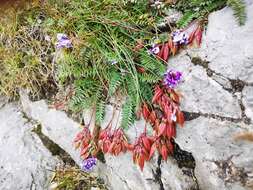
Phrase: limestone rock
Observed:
(228, 46)
(56, 125)
(221, 162)
(24, 162)
(248, 101)
(202, 94)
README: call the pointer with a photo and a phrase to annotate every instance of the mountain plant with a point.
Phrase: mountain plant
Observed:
(107, 49)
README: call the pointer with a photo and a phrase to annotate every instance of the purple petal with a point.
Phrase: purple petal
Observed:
(89, 164)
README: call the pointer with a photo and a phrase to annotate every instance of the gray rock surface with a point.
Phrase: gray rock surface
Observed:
(56, 125)
(228, 46)
(201, 93)
(24, 161)
(248, 101)
(221, 161)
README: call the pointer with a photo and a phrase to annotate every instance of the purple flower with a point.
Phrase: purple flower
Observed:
(154, 50)
(180, 37)
(172, 78)
(89, 164)
(63, 41)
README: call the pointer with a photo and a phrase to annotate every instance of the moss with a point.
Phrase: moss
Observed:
(71, 178)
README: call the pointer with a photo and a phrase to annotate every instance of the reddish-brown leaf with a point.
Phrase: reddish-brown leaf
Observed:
(191, 37)
(84, 151)
(86, 155)
(164, 152)
(152, 150)
(78, 137)
(169, 146)
(152, 117)
(180, 118)
(171, 130)
(173, 47)
(110, 150)
(146, 143)
(158, 94)
(174, 96)
(141, 162)
(129, 147)
(145, 111)
(140, 69)
(198, 35)
(166, 52)
(161, 47)
(162, 128)
(168, 112)
(134, 157)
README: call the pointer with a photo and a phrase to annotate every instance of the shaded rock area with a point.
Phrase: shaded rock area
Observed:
(218, 104)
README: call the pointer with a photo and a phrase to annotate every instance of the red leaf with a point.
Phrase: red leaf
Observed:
(169, 146)
(161, 47)
(158, 94)
(180, 118)
(152, 151)
(141, 162)
(171, 130)
(152, 117)
(198, 35)
(134, 157)
(174, 96)
(78, 137)
(173, 47)
(117, 149)
(166, 52)
(164, 152)
(145, 111)
(130, 147)
(162, 128)
(111, 147)
(145, 154)
(140, 69)
(86, 155)
(191, 37)
(146, 143)
(168, 112)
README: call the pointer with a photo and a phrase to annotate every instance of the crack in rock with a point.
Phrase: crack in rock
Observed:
(194, 115)
(230, 173)
(54, 148)
(245, 118)
(158, 173)
(236, 84)
(186, 162)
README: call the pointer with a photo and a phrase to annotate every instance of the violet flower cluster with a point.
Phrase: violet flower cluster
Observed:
(63, 41)
(180, 37)
(172, 78)
(89, 164)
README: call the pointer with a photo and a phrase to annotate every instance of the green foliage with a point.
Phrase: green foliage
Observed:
(100, 112)
(127, 114)
(114, 82)
(195, 9)
(239, 10)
